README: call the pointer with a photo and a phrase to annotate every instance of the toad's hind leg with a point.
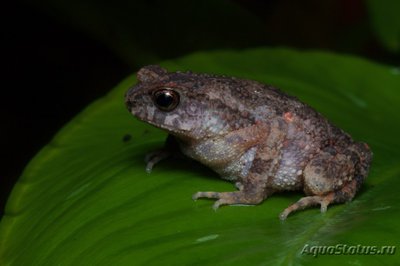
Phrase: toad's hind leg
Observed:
(344, 194)
(306, 202)
(333, 177)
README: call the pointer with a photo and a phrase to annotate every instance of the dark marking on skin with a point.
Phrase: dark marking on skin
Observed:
(259, 166)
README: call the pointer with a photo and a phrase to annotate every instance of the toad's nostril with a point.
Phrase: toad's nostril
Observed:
(130, 92)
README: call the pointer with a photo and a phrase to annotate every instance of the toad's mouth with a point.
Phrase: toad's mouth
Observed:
(170, 123)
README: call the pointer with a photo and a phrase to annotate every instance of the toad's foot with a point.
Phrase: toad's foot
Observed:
(229, 198)
(171, 149)
(306, 202)
(155, 157)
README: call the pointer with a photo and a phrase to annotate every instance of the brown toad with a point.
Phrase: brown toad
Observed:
(252, 134)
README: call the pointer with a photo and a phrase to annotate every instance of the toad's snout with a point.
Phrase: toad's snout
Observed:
(130, 101)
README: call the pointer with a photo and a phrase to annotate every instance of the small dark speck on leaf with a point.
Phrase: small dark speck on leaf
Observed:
(126, 137)
(145, 132)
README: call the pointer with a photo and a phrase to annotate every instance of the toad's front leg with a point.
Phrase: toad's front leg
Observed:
(249, 194)
(230, 198)
(170, 149)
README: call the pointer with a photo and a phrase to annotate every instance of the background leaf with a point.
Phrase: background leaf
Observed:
(86, 199)
(385, 21)
(141, 31)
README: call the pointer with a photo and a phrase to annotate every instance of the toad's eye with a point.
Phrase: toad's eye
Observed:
(166, 99)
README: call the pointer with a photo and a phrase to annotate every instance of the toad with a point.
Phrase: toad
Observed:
(251, 134)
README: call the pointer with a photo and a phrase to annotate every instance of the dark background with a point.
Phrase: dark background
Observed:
(58, 58)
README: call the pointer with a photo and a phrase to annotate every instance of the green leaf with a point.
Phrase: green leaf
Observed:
(385, 21)
(86, 199)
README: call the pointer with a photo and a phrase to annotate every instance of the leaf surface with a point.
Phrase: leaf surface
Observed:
(385, 22)
(86, 199)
